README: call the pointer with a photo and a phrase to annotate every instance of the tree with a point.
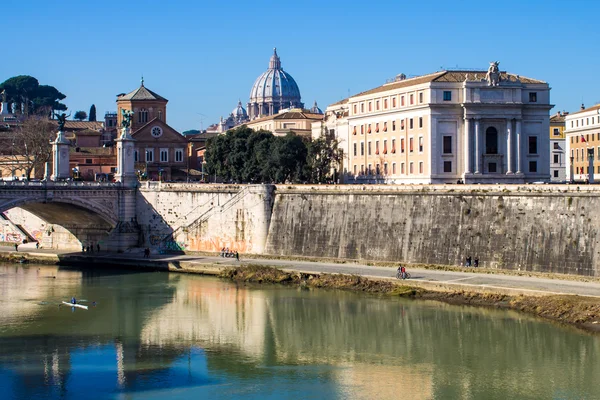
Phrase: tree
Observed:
(92, 113)
(324, 158)
(32, 98)
(80, 115)
(31, 144)
(191, 132)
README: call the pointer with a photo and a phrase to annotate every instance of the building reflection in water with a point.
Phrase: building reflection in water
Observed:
(155, 331)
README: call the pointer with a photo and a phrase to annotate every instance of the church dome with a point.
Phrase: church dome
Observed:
(273, 90)
(239, 111)
(315, 109)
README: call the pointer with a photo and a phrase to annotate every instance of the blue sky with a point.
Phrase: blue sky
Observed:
(205, 55)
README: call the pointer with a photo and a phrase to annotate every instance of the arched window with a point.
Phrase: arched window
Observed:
(491, 140)
(143, 116)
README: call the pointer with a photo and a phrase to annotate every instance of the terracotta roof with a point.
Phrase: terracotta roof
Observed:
(289, 115)
(80, 125)
(141, 93)
(592, 108)
(445, 76)
(339, 102)
(557, 118)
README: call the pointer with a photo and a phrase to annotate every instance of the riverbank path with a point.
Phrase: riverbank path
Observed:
(478, 279)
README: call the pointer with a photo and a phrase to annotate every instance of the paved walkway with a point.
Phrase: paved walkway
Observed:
(526, 285)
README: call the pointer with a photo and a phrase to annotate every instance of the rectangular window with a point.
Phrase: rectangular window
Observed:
(160, 115)
(447, 148)
(402, 168)
(377, 147)
(362, 107)
(411, 170)
(556, 146)
(385, 147)
(401, 145)
(369, 169)
(362, 148)
(377, 127)
(178, 155)
(532, 166)
(369, 148)
(420, 97)
(447, 97)
(164, 155)
(556, 172)
(385, 104)
(571, 139)
(377, 105)
(394, 146)
(533, 97)
(149, 155)
(385, 169)
(362, 129)
(385, 126)
(88, 160)
(393, 168)
(420, 167)
(354, 109)
(410, 123)
(556, 132)
(370, 106)
(394, 102)
(402, 125)
(355, 169)
(394, 125)
(556, 157)
(598, 157)
(420, 122)
(420, 144)
(410, 145)
(355, 149)
(447, 166)
(369, 128)
(402, 101)
(412, 99)
(492, 167)
(533, 145)
(362, 169)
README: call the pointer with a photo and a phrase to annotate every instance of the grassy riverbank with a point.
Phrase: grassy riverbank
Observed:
(582, 312)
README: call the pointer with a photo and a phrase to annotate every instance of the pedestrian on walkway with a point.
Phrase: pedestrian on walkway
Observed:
(98, 247)
(82, 248)
(92, 247)
(16, 246)
(237, 255)
(37, 245)
(87, 249)
(476, 262)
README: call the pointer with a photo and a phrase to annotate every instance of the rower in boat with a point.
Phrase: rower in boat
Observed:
(73, 300)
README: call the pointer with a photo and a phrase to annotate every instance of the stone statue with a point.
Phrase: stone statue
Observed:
(127, 116)
(61, 118)
(493, 74)
(3, 96)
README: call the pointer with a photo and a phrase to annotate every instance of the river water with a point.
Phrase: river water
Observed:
(156, 335)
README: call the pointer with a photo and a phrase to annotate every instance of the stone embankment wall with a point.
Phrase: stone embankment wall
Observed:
(204, 217)
(529, 227)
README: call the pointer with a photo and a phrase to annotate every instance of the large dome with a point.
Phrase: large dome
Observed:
(273, 90)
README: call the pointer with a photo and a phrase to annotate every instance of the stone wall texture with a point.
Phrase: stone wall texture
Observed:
(530, 227)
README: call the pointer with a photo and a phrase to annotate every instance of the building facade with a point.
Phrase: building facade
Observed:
(558, 162)
(296, 120)
(273, 91)
(469, 126)
(582, 135)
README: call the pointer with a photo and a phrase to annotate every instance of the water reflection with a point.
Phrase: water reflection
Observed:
(155, 334)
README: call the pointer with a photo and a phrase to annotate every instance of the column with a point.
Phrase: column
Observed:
(467, 147)
(125, 159)
(519, 146)
(508, 146)
(477, 150)
(60, 158)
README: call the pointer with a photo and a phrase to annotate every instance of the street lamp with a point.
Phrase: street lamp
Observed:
(571, 169)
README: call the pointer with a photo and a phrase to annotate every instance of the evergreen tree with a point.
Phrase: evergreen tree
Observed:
(92, 113)
(80, 115)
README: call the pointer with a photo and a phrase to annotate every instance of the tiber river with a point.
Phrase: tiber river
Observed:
(159, 335)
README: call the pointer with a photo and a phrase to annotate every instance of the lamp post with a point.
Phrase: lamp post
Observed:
(590, 165)
(146, 159)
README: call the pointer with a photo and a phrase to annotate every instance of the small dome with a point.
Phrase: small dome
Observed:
(239, 111)
(315, 109)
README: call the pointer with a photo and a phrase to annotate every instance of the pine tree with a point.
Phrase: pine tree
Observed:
(92, 113)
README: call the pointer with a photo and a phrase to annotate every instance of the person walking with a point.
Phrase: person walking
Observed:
(476, 262)
(17, 247)
(37, 245)
(98, 247)
(237, 255)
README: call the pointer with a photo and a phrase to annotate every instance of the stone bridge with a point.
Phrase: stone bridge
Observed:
(91, 211)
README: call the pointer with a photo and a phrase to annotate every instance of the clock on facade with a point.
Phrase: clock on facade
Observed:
(156, 131)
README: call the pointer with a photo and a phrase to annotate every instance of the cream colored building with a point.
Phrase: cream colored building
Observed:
(473, 126)
(582, 134)
(295, 120)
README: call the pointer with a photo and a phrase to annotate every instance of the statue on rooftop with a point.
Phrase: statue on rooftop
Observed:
(61, 118)
(493, 74)
(3, 96)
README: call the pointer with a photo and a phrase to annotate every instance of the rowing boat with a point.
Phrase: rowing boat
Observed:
(75, 305)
